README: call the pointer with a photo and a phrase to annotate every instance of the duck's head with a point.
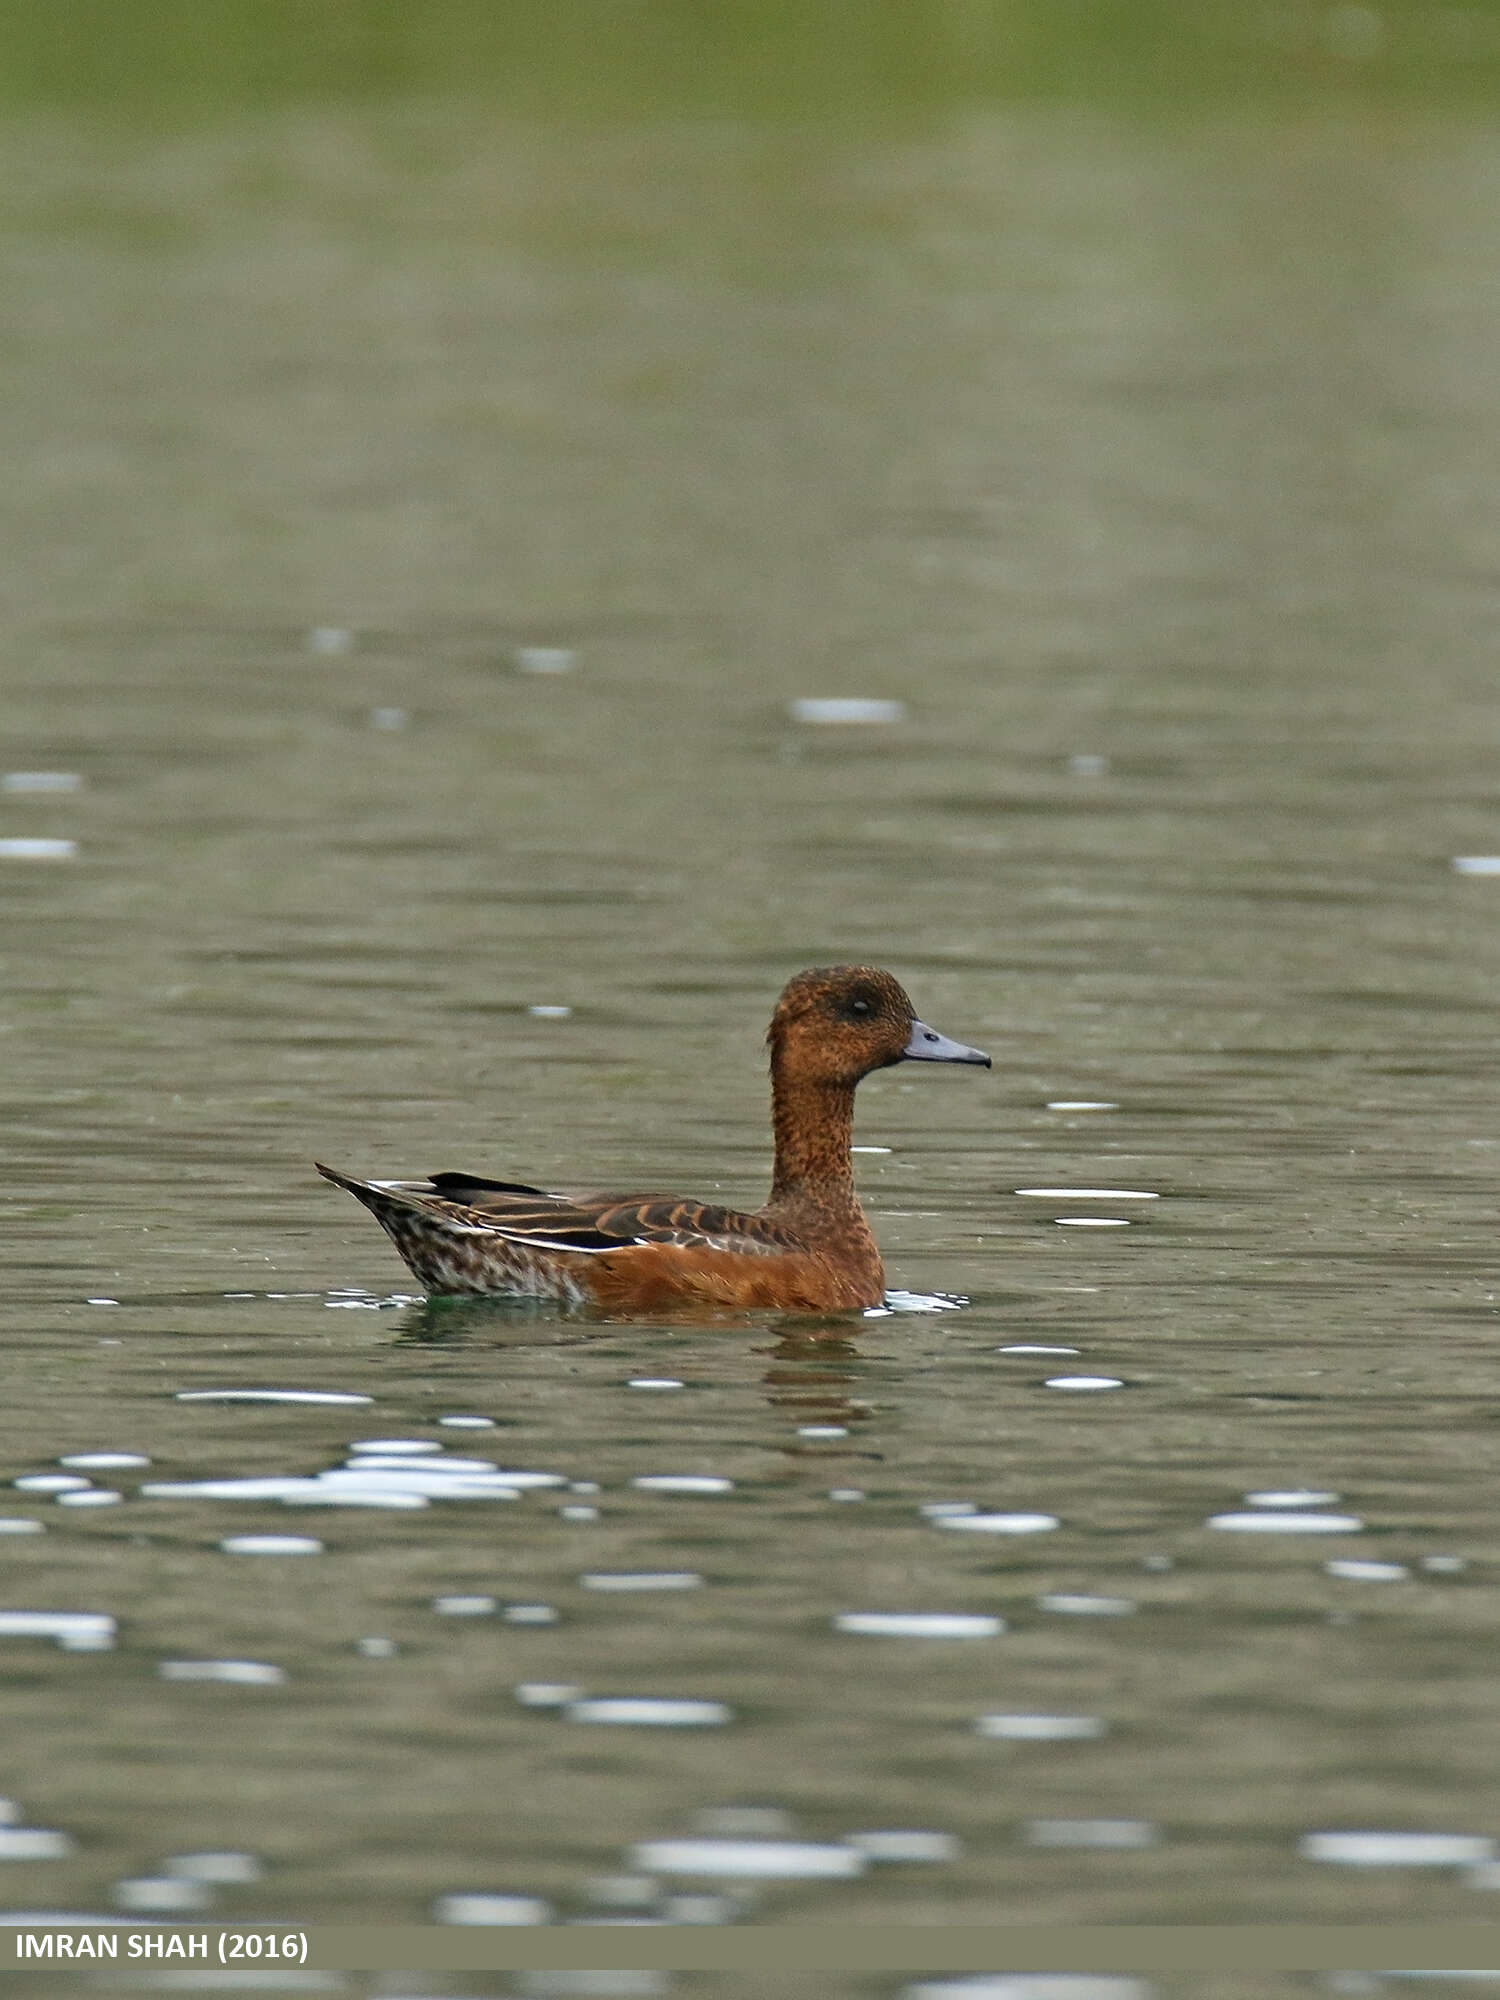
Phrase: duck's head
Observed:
(835, 1023)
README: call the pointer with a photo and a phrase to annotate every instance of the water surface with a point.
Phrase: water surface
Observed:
(421, 523)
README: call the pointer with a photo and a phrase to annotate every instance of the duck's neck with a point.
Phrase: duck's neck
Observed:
(813, 1124)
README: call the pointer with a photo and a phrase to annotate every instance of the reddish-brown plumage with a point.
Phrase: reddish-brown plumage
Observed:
(809, 1249)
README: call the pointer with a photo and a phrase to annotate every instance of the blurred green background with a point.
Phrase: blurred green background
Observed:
(820, 59)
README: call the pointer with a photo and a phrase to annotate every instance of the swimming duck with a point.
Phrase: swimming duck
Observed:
(809, 1249)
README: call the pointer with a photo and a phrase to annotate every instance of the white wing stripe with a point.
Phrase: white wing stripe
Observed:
(530, 1242)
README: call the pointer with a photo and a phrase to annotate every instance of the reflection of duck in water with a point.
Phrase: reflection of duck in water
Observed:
(809, 1249)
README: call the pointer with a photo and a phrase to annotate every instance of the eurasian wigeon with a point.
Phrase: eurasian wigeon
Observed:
(808, 1250)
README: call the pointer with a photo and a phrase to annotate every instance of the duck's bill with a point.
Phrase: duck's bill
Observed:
(927, 1045)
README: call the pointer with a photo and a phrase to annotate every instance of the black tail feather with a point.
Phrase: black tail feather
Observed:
(456, 1186)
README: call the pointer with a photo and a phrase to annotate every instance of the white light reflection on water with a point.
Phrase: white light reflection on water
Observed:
(440, 1472)
(682, 1482)
(271, 1545)
(837, 709)
(397, 1447)
(26, 848)
(74, 1631)
(384, 1472)
(41, 783)
(1000, 1524)
(545, 659)
(1288, 1523)
(163, 1894)
(33, 1843)
(1296, 1497)
(1088, 1194)
(649, 1711)
(480, 1907)
(217, 1865)
(331, 1398)
(329, 639)
(1397, 1850)
(1041, 1728)
(440, 1480)
(291, 1492)
(919, 1624)
(546, 1694)
(766, 1860)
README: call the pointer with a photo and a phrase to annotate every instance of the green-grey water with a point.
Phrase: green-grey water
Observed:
(423, 508)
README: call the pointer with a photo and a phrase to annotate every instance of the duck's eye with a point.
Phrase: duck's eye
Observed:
(859, 1007)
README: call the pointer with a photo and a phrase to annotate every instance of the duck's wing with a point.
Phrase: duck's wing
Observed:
(621, 1222)
(605, 1222)
(540, 1220)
